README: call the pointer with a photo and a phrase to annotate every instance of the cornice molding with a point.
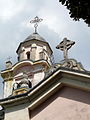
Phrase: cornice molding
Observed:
(49, 86)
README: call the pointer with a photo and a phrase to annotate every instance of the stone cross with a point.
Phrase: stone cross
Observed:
(36, 20)
(65, 45)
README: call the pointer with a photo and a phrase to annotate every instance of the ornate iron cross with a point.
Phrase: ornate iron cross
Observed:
(65, 45)
(35, 21)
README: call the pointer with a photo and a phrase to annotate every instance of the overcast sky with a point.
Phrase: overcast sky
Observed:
(15, 16)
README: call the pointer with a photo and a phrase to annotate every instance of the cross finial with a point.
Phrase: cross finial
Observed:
(65, 45)
(36, 20)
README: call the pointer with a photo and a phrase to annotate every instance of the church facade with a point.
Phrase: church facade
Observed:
(37, 89)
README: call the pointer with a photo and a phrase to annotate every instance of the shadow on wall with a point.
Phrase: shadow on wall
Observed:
(66, 98)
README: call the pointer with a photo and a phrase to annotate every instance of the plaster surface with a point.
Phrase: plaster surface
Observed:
(66, 104)
(19, 112)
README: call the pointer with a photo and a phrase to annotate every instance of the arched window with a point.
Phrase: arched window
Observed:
(18, 58)
(28, 55)
(42, 55)
(30, 84)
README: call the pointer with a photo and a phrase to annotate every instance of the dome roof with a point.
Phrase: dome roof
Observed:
(34, 36)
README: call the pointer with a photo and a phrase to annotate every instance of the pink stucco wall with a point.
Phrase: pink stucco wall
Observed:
(66, 104)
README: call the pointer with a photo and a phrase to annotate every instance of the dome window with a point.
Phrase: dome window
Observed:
(28, 55)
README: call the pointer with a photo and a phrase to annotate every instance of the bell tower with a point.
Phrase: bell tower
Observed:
(34, 58)
(34, 48)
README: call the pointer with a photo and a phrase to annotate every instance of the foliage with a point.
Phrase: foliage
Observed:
(78, 9)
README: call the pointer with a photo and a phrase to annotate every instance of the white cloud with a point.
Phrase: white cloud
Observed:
(10, 8)
(56, 17)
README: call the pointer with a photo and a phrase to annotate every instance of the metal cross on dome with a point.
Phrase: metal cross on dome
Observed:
(35, 21)
(65, 45)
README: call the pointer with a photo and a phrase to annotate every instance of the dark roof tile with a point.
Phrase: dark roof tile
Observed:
(35, 36)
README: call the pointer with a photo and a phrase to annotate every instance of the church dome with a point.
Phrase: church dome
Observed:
(34, 48)
(34, 36)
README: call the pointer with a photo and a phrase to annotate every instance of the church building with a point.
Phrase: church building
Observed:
(35, 88)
